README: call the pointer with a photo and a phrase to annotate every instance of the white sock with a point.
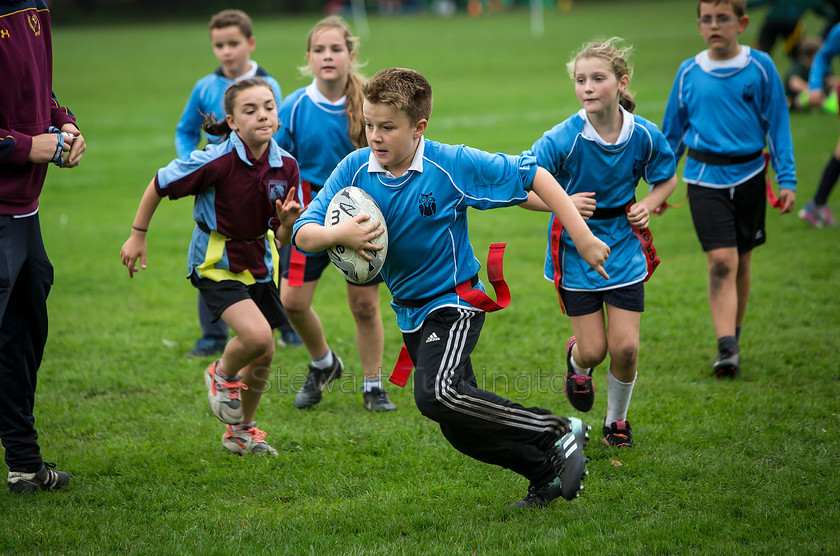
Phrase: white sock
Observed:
(582, 371)
(618, 398)
(369, 385)
(324, 362)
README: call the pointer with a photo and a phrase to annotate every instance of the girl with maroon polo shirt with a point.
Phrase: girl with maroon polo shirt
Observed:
(243, 187)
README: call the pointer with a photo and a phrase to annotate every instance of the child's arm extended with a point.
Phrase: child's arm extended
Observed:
(355, 234)
(593, 250)
(639, 213)
(584, 202)
(135, 246)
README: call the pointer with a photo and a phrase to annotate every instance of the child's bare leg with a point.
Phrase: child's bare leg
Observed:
(255, 376)
(723, 291)
(743, 286)
(364, 304)
(297, 301)
(590, 332)
(254, 337)
(623, 342)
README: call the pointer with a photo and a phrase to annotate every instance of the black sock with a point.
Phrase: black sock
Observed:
(727, 344)
(829, 178)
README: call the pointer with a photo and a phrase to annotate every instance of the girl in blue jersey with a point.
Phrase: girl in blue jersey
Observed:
(424, 189)
(321, 123)
(598, 156)
(243, 188)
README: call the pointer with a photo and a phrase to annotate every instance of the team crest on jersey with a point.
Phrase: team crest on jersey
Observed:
(428, 207)
(277, 189)
(34, 22)
(749, 94)
(638, 165)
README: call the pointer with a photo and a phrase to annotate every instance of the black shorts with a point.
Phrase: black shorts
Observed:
(221, 295)
(579, 303)
(314, 267)
(732, 217)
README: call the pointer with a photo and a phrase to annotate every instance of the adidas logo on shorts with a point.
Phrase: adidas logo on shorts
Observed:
(433, 338)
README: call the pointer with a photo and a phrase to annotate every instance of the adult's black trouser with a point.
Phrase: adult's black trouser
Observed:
(26, 276)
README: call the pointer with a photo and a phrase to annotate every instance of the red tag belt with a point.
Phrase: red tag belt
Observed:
(475, 297)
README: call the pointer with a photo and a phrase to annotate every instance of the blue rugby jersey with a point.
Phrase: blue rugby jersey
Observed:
(429, 250)
(315, 131)
(734, 107)
(581, 161)
(208, 97)
(234, 206)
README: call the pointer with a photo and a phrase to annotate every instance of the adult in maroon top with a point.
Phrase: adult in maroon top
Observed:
(34, 131)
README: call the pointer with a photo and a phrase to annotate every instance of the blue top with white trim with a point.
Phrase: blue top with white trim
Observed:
(429, 250)
(308, 119)
(208, 97)
(734, 108)
(580, 160)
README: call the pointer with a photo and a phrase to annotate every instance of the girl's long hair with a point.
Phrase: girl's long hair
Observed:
(353, 90)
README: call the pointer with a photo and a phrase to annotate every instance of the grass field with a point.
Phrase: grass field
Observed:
(720, 467)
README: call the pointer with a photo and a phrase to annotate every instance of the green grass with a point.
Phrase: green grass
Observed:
(744, 466)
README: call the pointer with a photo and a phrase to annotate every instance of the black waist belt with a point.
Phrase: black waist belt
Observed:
(721, 159)
(608, 212)
(417, 303)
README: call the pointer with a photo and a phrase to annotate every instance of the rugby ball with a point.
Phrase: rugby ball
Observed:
(346, 204)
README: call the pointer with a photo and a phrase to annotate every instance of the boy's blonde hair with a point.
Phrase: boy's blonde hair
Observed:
(232, 18)
(739, 7)
(404, 89)
(616, 57)
(353, 90)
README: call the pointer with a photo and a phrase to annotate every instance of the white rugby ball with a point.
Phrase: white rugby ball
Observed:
(346, 204)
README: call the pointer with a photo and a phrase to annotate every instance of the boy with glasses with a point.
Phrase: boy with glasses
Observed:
(726, 105)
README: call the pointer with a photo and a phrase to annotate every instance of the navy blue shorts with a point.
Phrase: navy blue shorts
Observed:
(732, 217)
(315, 265)
(221, 295)
(579, 303)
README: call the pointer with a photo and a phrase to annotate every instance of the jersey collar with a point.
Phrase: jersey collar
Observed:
(739, 61)
(591, 134)
(416, 163)
(316, 95)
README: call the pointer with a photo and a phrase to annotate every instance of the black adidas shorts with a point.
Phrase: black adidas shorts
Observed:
(732, 217)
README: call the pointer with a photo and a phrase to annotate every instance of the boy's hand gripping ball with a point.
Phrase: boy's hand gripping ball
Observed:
(348, 203)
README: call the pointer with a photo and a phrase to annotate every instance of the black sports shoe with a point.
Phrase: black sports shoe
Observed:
(618, 434)
(316, 382)
(44, 479)
(727, 364)
(377, 400)
(566, 455)
(579, 388)
(540, 496)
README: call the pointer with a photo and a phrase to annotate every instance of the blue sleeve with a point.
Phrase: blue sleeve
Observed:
(188, 130)
(549, 152)
(779, 137)
(493, 180)
(662, 165)
(675, 120)
(316, 211)
(821, 66)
